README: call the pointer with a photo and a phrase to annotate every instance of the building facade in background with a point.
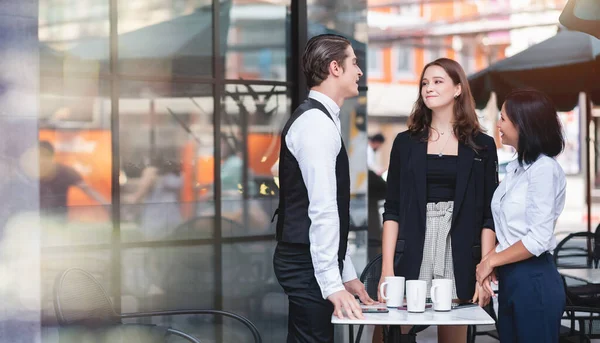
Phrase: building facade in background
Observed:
(406, 35)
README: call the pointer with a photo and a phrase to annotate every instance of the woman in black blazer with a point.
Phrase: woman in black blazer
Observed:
(442, 175)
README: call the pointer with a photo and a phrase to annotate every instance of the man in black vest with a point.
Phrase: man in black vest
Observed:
(311, 260)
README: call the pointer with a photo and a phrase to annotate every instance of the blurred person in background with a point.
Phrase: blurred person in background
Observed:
(375, 142)
(232, 190)
(377, 189)
(55, 180)
(158, 190)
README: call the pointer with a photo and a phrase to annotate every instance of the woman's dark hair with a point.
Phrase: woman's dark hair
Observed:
(320, 51)
(534, 116)
(166, 164)
(466, 123)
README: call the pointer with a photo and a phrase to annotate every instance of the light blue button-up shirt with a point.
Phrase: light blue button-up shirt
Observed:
(527, 204)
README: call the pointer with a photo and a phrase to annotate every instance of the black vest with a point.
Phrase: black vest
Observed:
(293, 222)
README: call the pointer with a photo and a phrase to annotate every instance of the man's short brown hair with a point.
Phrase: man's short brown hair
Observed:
(320, 51)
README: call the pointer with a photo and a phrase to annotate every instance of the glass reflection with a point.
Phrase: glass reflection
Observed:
(168, 278)
(249, 155)
(166, 146)
(55, 262)
(251, 289)
(74, 154)
(65, 31)
(256, 40)
(165, 38)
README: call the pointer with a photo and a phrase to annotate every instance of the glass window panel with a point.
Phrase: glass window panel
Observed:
(251, 289)
(75, 161)
(166, 147)
(264, 108)
(73, 39)
(345, 17)
(168, 278)
(257, 33)
(53, 263)
(375, 66)
(166, 38)
(405, 62)
(435, 48)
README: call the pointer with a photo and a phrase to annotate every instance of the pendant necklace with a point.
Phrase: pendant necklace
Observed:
(441, 153)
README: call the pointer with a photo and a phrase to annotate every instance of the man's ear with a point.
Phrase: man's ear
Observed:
(335, 69)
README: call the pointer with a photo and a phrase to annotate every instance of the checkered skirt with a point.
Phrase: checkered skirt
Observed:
(437, 252)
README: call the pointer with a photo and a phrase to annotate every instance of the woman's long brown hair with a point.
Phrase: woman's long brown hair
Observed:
(466, 125)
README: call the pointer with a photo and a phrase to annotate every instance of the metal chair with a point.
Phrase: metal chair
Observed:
(576, 251)
(370, 278)
(579, 250)
(81, 301)
(588, 320)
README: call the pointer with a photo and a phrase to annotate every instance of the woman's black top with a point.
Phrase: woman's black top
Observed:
(441, 177)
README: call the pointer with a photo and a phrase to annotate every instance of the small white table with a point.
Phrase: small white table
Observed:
(463, 316)
(588, 275)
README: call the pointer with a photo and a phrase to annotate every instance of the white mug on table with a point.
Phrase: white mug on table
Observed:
(441, 294)
(392, 291)
(416, 291)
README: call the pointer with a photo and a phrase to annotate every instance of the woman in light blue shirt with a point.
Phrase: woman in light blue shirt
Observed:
(525, 207)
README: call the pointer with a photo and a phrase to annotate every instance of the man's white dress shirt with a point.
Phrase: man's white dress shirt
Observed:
(315, 141)
(527, 204)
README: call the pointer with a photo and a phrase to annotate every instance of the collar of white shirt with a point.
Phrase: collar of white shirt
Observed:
(514, 165)
(331, 106)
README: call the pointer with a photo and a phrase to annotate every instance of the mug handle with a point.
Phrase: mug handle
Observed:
(433, 293)
(381, 290)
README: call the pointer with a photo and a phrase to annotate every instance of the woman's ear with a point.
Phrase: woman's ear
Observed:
(458, 91)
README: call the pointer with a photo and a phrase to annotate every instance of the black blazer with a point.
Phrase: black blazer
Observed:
(477, 179)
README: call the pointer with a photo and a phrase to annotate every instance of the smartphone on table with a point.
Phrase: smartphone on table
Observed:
(377, 308)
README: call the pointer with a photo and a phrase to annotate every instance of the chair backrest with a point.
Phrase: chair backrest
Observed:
(203, 227)
(370, 278)
(80, 299)
(573, 251)
(371, 275)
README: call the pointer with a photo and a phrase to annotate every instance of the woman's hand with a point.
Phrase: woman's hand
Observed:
(482, 295)
(382, 280)
(484, 268)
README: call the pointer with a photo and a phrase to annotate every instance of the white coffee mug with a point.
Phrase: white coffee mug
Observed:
(392, 291)
(416, 291)
(441, 294)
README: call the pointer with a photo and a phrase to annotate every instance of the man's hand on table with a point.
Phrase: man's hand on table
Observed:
(344, 301)
(356, 287)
